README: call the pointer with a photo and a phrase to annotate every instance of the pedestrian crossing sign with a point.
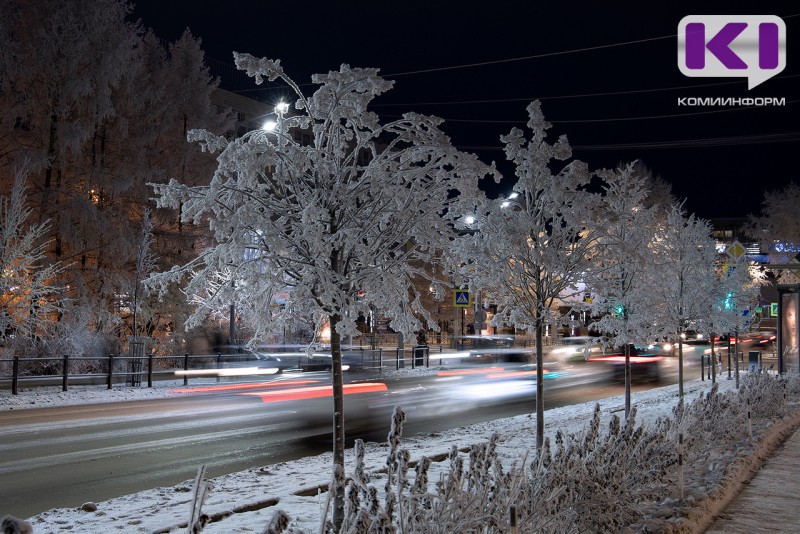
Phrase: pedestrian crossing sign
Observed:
(462, 298)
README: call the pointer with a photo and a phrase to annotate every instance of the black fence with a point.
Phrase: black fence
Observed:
(133, 371)
(731, 365)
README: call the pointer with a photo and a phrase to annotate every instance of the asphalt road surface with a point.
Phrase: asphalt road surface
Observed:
(65, 456)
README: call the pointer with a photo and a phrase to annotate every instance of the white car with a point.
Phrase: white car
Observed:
(575, 349)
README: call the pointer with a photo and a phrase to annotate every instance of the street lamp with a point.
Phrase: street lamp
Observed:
(506, 203)
(271, 124)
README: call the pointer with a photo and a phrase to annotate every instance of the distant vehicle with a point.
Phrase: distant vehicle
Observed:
(255, 360)
(500, 355)
(296, 360)
(761, 338)
(645, 363)
(486, 342)
(575, 349)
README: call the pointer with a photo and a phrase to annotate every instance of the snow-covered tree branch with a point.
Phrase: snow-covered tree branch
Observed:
(778, 228)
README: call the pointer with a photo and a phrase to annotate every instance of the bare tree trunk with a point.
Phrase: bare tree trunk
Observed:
(627, 380)
(48, 171)
(680, 365)
(539, 383)
(338, 424)
(736, 356)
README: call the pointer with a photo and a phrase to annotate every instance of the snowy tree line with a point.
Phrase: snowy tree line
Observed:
(343, 225)
(94, 108)
(341, 222)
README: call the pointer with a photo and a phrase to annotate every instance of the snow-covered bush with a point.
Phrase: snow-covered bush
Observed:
(714, 418)
(587, 484)
(766, 395)
(593, 481)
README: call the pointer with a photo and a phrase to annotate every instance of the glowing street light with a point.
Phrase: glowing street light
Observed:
(271, 124)
(506, 203)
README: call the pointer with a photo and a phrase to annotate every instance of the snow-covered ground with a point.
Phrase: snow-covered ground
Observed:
(246, 501)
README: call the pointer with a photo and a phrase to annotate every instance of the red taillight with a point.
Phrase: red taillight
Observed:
(316, 392)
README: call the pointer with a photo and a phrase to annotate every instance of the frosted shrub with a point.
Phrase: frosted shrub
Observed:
(476, 499)
(713, 419)
(765, 394)
(586, 484)
(473, 500)
(792, 385)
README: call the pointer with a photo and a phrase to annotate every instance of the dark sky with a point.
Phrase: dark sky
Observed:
(606, 72)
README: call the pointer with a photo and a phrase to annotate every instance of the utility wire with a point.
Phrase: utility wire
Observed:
(771, 138)
(538, 56)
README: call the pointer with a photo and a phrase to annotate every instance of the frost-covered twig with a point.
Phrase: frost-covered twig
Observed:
(279, 523)
(198, 519)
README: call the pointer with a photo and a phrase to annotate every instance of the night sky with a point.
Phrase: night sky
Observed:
(607, 75)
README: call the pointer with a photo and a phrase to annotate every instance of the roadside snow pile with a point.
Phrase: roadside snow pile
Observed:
(50, 396)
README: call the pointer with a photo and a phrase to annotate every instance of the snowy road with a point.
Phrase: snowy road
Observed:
(66, 456)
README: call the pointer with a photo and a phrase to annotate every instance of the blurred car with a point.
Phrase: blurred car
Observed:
(499, 355)
(761, 339)
(254, 360)
(575, 349)
(486, 342)
(645, 363)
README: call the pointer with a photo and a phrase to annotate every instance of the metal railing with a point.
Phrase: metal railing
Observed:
(740, 362)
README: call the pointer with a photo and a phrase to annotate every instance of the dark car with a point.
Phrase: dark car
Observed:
(492, 356)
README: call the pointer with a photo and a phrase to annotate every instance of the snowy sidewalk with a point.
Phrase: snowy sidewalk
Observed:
(769, 503)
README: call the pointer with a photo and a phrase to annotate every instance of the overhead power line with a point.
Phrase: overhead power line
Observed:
(770, 138)
(539, 56)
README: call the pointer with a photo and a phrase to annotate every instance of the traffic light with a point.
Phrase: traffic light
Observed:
(728, 302)
(617, 310)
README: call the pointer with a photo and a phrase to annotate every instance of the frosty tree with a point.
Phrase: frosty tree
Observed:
(29, 300)
(682, 279)
(617, 281)
(779, 227)
(734, 292)
(339, 223)
(533, 248)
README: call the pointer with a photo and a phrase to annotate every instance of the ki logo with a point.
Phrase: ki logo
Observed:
(732, 46)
